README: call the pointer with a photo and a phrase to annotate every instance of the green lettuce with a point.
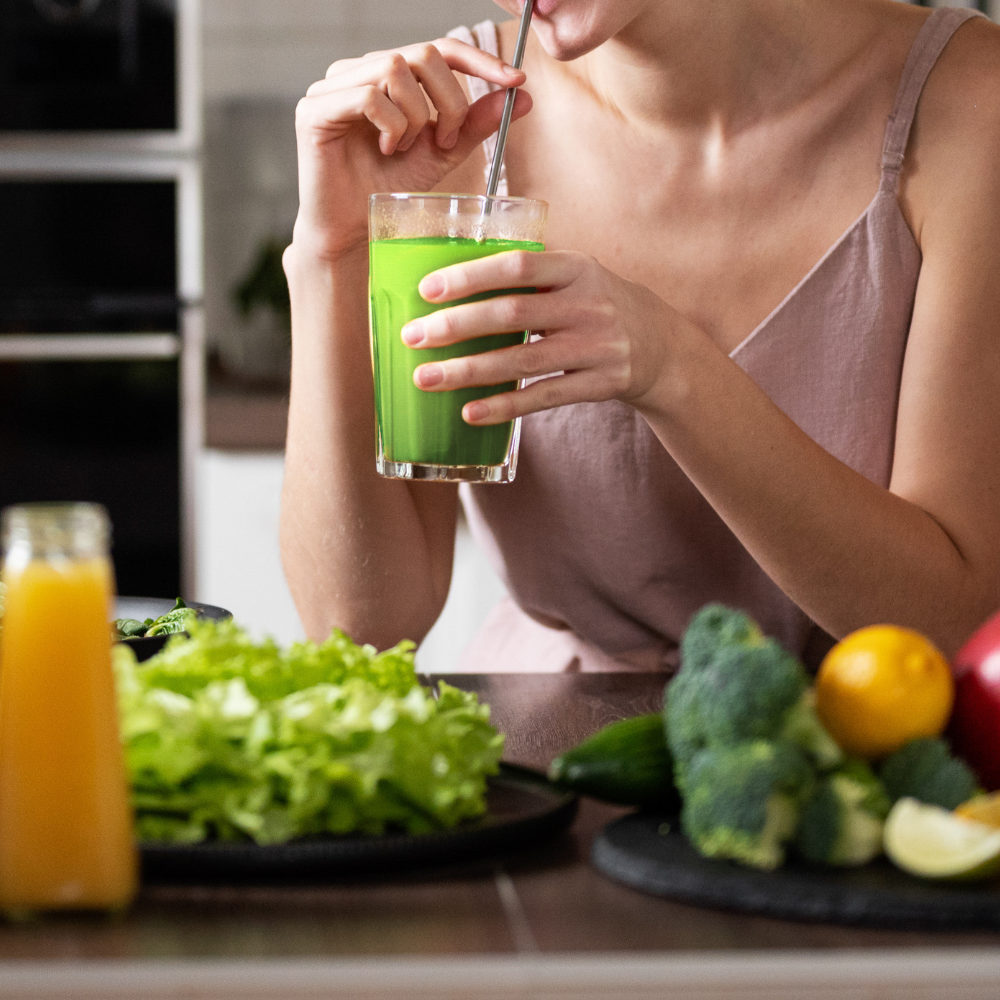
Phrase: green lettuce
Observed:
(231, 739)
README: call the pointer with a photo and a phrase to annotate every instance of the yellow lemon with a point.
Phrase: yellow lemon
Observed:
(881, 687)
(982, 809)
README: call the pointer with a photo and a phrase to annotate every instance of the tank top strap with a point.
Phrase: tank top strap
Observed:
(485, 37)
(928, 46)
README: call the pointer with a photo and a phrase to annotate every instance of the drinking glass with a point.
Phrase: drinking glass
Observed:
(421, 435)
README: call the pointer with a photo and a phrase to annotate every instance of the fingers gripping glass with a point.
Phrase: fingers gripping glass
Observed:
(421, 435)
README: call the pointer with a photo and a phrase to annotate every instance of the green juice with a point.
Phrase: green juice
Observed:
(426, 428)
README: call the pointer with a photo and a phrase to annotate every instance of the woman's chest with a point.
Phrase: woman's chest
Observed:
(723, 233)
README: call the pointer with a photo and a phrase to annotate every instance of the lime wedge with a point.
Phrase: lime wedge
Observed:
(932, 842)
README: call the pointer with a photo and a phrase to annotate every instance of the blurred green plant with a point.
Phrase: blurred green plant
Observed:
(264, 285)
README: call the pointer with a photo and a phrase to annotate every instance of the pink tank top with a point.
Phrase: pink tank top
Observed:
(607, 548)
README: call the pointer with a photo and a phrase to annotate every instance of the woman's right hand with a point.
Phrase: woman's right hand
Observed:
(368, 127)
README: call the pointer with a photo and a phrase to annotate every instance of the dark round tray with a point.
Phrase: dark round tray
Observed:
(632, 850)
(523, 810)
(142, 608)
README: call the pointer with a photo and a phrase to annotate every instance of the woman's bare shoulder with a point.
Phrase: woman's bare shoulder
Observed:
(955, 144)
(966, 76)
(507, 37)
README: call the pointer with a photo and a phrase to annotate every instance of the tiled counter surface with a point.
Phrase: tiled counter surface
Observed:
(541, 924)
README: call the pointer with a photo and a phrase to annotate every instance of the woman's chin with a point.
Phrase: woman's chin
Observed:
(564, 42)
(568, 29)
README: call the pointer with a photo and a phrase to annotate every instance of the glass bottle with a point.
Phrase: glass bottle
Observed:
(65, 825)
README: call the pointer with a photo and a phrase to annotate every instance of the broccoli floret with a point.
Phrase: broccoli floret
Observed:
(842, 823)
(715, 627)
(746, 692)
(743, 693)
(742, 802)
(803, 728)
(925, 770)
(683, 720)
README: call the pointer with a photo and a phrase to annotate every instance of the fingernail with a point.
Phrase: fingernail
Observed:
(428, 375)
(413, 333)
(431, 287)
(510, 71)
(475, 411)
(449, 140)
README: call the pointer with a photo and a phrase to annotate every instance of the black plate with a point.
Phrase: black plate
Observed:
(632, 850)
(141, 608)
(523, 809)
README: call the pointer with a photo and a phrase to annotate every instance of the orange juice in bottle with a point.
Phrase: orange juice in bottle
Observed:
(65, 824)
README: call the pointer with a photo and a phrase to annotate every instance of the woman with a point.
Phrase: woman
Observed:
(774, 315)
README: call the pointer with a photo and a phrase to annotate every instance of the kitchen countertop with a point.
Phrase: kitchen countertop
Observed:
(541, 923)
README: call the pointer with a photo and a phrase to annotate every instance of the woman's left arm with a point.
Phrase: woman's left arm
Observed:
(924, 553)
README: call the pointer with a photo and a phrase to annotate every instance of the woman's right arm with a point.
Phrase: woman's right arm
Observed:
(369, 555)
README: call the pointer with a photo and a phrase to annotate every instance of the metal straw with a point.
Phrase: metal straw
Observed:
(508, 107)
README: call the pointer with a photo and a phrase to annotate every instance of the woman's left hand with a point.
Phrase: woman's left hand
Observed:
(607, 337)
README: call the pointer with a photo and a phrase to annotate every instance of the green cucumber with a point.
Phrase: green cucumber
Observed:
(627, 763)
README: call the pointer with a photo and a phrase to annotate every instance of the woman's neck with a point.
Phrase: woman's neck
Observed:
(719, 64)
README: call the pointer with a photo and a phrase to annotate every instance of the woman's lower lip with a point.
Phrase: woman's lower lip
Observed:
(545, 7)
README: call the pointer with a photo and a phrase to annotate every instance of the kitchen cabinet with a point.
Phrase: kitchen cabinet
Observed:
(101, 353)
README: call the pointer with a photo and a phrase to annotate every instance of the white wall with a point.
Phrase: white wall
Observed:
(276, 48)
(239, 565)
(475, 589)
